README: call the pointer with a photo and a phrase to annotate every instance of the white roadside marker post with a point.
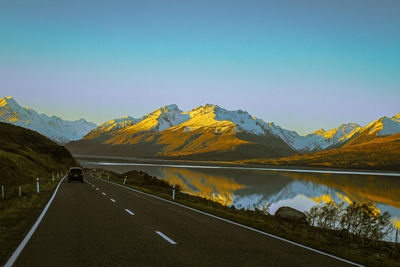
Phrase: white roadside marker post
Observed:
(125, 180)
(108, 178)
(173, 192)
(2, 192)
(37, 185)
(19, 191)
(52, 176)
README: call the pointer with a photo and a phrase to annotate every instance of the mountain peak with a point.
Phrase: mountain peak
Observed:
(349, 124)
(170, 108)
(53, 127)
(9, 101)
(319, 132)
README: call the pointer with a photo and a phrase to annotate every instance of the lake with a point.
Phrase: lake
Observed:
(254, 188)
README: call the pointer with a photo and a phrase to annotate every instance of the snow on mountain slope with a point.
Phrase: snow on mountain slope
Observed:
(212, 118)
(53, 127)
(157, 121)
(340, 133)
(217, 120)
(384, 126)
(113, 125)
(379, 128)
(318, 140)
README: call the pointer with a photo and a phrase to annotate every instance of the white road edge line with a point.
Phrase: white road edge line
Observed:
(166, 238)
(113, 200)
(238, 224)
(103, 193)
(130, 212)
(21, 246)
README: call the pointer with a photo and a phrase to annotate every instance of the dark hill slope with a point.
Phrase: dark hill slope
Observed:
(25, 155)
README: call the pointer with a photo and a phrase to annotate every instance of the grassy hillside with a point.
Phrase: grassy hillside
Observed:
(194, 145)
(25, 155)
(379, 153)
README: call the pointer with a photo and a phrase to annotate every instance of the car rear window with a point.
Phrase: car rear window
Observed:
(79, 171)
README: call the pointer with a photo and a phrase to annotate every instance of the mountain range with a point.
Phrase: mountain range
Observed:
(53, 127)
(206, 132)
(212, 132)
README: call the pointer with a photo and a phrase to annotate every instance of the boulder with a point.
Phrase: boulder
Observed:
(291, 215)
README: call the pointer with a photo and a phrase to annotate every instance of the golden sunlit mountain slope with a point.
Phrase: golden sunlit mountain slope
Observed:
(378, 153)
(382, 127)
(207, 132)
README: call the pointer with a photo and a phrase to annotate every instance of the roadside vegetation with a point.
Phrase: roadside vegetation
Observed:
(24, 156)
(357, 222)
(352, 241)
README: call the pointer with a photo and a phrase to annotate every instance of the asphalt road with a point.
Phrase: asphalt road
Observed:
(101, 224)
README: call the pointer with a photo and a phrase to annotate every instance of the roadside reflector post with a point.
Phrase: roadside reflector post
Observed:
(52, 176)
(37, 185)
(19, 191)
(125, 180)
(173, 192)
(2, 192)
(58, 175)
(108, 178)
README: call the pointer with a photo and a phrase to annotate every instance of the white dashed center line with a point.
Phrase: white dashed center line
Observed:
(166, 238)
(113, 200)
(103, 193)
(130, 212)
(97, 189)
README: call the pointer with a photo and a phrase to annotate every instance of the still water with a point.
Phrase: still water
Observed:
(249, 189)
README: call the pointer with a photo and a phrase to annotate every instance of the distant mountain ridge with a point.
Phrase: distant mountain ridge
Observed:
(201, 132)
(207, 131)
(214, 118)
(55, 128)
(170, 132)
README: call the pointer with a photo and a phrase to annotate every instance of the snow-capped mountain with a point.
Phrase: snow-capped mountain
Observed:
(315, 141)
(212, 118)
(170, 132)
(159, 120)
(217, 120)
(382, 127)
(208, 118)
(53, 127)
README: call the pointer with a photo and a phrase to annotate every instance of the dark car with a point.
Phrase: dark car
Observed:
(75, 174)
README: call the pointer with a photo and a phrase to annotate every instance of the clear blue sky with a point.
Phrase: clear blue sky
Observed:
(302, 64)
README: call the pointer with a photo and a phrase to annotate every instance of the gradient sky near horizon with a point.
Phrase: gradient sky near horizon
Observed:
(303, 64)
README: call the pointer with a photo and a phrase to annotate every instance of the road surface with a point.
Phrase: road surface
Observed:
(101, 224)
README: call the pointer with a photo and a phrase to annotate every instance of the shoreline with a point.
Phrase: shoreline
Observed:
(230, 165)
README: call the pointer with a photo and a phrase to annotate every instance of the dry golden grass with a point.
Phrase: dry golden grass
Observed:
(379, 153)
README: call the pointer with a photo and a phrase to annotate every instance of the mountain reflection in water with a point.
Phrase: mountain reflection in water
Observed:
(250, 189)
